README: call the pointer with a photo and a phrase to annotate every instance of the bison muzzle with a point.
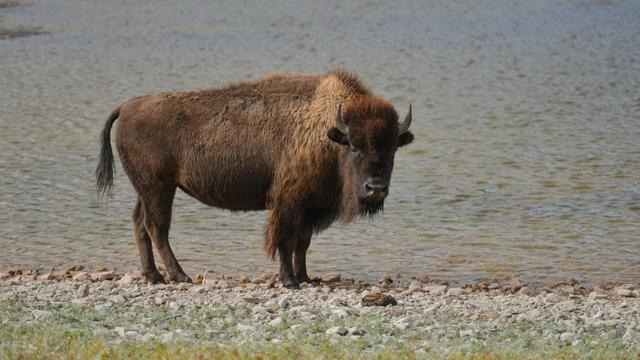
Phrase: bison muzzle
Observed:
(311, 149)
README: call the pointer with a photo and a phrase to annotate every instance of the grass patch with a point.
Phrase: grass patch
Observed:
(210, 333)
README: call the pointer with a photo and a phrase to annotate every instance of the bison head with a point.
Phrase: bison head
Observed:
(370, 134)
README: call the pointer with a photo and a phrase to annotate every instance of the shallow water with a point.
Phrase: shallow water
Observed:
(526, 116)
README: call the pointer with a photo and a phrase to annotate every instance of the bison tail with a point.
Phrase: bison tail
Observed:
(106, 167)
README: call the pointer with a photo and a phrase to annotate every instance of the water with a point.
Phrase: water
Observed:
(526, 116)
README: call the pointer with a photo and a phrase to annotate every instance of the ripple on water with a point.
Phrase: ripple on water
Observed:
(524, 164)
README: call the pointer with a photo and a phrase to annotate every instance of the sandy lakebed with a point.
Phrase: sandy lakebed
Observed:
(77, 313)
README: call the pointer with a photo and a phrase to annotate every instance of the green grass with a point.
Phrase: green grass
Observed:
(81, 333)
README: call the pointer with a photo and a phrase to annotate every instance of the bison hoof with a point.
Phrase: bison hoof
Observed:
(180, 278)
(291, 284)
(154, 277)
(306, 279)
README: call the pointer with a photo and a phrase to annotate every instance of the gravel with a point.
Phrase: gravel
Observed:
(425, 314)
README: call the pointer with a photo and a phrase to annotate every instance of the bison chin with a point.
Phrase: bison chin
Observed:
(369, 208)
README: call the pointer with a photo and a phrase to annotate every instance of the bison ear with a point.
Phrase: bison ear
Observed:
(336, 135)
(405, 139)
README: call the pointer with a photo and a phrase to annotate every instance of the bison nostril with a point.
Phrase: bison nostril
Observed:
(375, 188)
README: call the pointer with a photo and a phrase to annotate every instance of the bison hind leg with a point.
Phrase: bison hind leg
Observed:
(157, 202)
(143, 242)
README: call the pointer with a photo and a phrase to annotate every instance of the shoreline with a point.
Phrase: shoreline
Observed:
(254, 317)
(397, 283)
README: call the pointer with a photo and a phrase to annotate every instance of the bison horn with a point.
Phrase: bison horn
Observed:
(339, 122)
(404, 126)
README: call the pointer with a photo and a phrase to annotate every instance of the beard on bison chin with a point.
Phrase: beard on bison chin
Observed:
(368, 209)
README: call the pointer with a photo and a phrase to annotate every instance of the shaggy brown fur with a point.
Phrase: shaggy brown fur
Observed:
(268, 144)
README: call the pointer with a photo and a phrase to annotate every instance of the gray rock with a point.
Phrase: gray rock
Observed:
(466, 333)
(83, 291)
(598, 316)
(253, 300)
(567, 306)
(620, 291)
(166, 337)
(566, 337)
(102, 332)
(340, 313)
(336, 330)
(606, 323)
(431, 309)
(284, 303)
(415, 286)
(41, 315)
(48, 276)
(296, 329)
(245, 328)
(243, 279)
(435, 289)
(118, 299)
(103, 306)
(80, 302)
(630, 336)
(553, 297)
(103, 276)
(533, 314)
(494, 286)
(356, 331)
(332, 278)
(275, 322)
(597, 295)
(455, 291)
(127, 279)
(173, 305)
(120, 331)
(81, 276)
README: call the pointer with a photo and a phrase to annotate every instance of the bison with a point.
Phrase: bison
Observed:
(311, 149)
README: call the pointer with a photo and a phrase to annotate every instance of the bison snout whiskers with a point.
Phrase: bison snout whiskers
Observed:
(376, 189)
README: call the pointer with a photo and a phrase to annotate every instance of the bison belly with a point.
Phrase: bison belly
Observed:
(226, 177)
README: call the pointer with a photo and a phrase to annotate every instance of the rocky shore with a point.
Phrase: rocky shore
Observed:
(418, 316)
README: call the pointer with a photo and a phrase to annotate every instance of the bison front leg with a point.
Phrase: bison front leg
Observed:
(281, 239)
(287, 276)
(300, 259)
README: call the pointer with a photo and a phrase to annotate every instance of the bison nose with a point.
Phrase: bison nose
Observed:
(375, 188)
